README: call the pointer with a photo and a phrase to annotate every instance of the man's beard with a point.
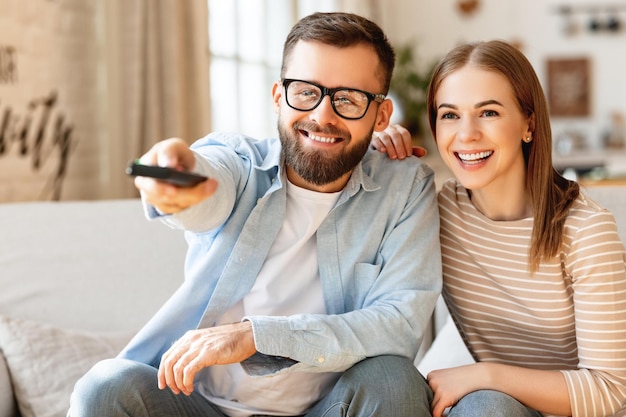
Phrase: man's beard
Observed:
(317, 166)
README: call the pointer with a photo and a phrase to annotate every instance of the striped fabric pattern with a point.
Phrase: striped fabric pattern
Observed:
(570, 315)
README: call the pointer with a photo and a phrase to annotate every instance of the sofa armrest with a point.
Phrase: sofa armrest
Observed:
(8, 408)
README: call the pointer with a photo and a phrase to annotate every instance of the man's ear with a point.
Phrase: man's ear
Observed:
(383, 116)
(277, 93)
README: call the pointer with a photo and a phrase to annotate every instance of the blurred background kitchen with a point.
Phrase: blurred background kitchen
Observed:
(88, 85)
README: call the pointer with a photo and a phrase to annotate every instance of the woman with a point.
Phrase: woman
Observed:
(534, 271)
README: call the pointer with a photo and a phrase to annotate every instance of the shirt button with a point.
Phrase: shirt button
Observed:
(320, 359)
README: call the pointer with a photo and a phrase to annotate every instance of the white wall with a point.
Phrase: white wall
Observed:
(436, 26)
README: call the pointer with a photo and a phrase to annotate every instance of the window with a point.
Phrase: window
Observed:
(246, 40)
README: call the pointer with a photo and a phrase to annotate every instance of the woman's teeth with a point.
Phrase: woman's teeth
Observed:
(323, 139)
(474, 157)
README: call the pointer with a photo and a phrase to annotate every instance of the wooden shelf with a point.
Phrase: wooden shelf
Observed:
(608, 164)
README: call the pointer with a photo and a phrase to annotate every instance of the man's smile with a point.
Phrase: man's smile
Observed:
(323, 139)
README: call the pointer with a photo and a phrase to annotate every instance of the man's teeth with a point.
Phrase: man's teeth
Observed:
(472, 157)
(322, 138)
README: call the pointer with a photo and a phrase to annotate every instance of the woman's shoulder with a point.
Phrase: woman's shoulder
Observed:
(587, 217)
(453, 196)
(454, 203)
(450, 189)
(585, 208)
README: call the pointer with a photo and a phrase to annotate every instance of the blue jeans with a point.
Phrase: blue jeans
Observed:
(382, 386)
(486, 403)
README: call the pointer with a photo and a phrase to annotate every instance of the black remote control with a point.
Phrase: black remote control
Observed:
(170, 175)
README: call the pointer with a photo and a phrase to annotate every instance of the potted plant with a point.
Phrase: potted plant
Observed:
(408, 88)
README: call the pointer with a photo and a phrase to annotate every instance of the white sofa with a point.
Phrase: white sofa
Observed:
(77, 279)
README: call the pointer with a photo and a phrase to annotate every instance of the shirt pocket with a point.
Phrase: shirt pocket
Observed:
(365, 276)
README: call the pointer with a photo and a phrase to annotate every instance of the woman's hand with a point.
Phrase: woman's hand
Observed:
(451, 384)
(396, 142)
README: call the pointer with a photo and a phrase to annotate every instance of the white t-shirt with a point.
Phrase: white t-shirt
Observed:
(287, 284)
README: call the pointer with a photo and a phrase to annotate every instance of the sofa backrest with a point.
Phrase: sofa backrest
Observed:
(92, 265)
(613, 197)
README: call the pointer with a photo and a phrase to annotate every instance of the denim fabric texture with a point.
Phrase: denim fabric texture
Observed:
(383, 386)
(487, 403)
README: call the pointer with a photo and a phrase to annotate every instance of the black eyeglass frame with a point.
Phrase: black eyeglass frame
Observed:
(378, 98)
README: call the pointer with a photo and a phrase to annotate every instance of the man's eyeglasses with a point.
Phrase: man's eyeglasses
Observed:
(348, 103)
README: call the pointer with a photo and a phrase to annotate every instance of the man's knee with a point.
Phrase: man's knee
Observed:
(386, 369)
(393, 379)
(116, 374)
(108, 382)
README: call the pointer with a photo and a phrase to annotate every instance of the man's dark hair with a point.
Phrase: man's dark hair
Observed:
(342, 30)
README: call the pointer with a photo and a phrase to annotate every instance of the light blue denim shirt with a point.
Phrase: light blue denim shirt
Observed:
(378, 251)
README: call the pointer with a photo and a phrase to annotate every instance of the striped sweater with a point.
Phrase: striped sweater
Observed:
(569, 316)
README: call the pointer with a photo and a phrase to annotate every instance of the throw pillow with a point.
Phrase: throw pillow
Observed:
(45, 362)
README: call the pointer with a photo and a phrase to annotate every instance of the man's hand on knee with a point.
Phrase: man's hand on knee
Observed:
(201, 348)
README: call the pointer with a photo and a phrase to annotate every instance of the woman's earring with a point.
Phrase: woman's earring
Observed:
(528, 139)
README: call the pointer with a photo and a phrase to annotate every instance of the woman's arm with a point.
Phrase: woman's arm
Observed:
(544, 391)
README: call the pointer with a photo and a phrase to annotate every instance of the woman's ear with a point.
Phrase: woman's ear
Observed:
(530, 129)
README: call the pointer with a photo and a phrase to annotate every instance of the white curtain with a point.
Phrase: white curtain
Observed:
(86, 86)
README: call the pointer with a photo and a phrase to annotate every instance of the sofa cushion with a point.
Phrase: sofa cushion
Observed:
(45, 362)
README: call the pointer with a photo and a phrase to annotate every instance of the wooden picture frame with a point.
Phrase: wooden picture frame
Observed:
(569, 91)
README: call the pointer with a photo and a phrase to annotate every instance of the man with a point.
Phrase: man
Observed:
(313, 263)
